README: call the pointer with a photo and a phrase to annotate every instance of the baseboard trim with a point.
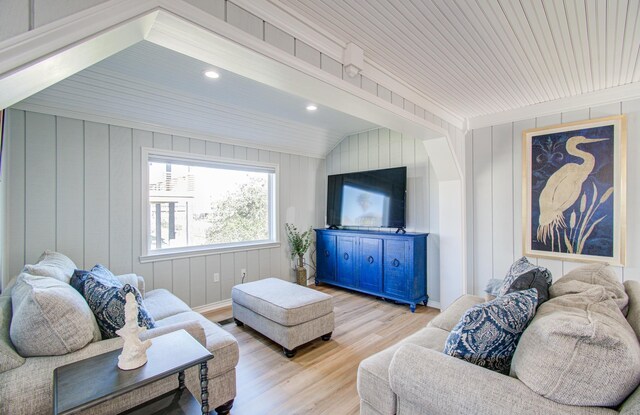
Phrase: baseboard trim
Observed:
(207, 308)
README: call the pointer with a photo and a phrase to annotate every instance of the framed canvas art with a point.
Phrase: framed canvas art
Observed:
(574, 191)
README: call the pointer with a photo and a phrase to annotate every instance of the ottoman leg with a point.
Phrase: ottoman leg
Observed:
(289, 353)
(238, 322)
(327, 337)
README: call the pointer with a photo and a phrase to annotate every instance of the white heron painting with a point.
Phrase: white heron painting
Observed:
(573, 191)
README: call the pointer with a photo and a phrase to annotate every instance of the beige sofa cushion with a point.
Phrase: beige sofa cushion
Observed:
(52, 264)
(373, 372)
(448, 319)
(579, 350)
(9, 359)
(218, 341)
(49, 317)
(161, 304)
(584, 277)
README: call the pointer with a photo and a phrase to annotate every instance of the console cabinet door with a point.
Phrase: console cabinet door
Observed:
(370, 264)
(326, 256)
(346, 260)
(396, 267)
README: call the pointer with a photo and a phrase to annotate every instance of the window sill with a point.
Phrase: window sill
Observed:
(191, 253)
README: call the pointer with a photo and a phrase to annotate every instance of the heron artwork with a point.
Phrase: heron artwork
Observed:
(559, 195)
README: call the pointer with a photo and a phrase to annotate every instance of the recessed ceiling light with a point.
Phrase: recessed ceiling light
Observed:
(212, 74)
(311, 107)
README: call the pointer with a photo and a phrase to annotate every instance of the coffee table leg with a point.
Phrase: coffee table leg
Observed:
(204, 388)
(181, 380)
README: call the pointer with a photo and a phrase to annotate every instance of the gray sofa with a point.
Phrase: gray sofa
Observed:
(415, 377)
(27, 388)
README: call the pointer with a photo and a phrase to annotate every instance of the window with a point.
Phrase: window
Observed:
(196, 204)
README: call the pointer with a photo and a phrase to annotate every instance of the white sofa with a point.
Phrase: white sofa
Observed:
(27, 388)
(415, 377)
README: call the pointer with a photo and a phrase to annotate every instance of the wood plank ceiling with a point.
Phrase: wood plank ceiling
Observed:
(155, 86)
(477, 57)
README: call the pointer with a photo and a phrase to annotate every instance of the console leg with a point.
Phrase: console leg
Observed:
(316, 282)
(204, 388)
(412, 306)
(225, 408)
(327, 337)
(289, 353)
(425, 302)
(181, 380)
(238, 322)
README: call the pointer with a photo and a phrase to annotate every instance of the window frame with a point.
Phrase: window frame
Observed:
(149, 255)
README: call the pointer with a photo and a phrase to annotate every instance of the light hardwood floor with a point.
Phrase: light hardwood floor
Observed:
(321, 378)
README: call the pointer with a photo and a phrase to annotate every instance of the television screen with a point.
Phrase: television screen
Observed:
(374, 198)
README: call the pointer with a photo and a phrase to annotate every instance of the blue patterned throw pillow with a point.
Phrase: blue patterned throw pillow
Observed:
(107, 301)
(488, 333)
(523, 275)
(99, 271)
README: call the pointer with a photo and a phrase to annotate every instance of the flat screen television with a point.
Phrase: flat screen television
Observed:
(374, 198)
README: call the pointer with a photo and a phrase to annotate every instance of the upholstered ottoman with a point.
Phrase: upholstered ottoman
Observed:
(287, 313)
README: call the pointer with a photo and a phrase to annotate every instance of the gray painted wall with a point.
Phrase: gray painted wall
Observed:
(495, 194)
(74, 186)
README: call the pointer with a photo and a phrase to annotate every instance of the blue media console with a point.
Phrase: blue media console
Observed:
(387, 265)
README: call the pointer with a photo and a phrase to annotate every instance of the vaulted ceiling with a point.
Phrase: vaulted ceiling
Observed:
(155, 86)
(478, 57)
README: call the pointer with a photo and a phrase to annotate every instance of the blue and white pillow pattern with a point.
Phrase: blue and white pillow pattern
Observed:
(99, 271)
(488, 333)
(106, 297)
(523, 275)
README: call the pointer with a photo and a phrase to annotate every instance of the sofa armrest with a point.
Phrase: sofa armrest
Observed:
(133, 280)
(431, 382)
(193, 327)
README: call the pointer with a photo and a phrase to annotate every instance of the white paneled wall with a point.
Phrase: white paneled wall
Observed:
(382, 148)
(495, 208)
(74, 186)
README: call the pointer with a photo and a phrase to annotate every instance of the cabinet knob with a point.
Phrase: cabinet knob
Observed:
(326, 253)
(346, 256)
(370, 259)
(395, 262)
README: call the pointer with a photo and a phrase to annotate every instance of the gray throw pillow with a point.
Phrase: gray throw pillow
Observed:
(52, 264)
(49, 317)
(524, 275)
(579, 350)
(586, 277)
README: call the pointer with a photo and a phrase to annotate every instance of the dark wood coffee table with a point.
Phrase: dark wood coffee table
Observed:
(87, 383)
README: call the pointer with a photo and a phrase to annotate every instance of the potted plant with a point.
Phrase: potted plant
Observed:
(299, 244)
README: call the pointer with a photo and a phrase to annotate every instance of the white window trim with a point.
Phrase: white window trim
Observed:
(194, 251)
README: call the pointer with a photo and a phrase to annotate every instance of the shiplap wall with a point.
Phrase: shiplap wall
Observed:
(496, 194)
(382, 148)
(74, 186)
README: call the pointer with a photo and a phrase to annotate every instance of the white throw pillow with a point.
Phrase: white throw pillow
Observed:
(50, 317)
(52, 264)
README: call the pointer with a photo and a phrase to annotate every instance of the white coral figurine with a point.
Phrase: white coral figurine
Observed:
(134, 352)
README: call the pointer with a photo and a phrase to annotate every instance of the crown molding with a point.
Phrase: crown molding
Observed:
(590, 99)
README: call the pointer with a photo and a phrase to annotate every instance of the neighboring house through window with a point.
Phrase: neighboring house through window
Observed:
(196, 203)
